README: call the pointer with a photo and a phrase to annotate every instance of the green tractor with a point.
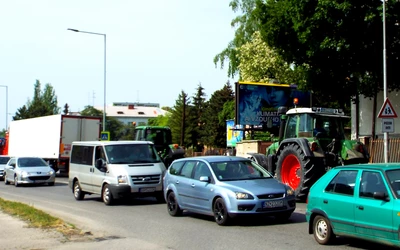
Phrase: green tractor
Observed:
(311, 141)
(162, 139)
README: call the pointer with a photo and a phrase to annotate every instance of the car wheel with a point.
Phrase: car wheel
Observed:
(16, 181)
(172, 205)
(51, 183)
(323, 233)
(221, 215)
(6, 182)
(282, 217)
(107, 195)
(78, 193)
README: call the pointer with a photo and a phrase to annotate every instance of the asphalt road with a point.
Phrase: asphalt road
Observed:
(146, 225)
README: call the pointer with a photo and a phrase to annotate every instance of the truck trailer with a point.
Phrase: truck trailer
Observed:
(50, 137)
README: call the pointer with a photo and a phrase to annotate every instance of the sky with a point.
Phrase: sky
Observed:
(154, 50)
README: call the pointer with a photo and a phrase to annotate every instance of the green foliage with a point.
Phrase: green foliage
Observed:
(195, 124)
(66, 109)
(246, 24)
(214, 130)
(178, 121)
(260, 63)
(43, 103)
(161, 120)
(227, 113)
(337, 44)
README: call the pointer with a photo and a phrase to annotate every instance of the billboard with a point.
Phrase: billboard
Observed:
(233, 136)
(257, 103)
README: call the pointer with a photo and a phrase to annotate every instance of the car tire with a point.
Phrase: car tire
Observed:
(297, 171)
(77, 190)
(221, 214)
(172, 205)
(16, 181)
(322, 230)
(6, 182)
(107, 196)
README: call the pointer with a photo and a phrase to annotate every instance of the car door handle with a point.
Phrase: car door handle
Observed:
(177, 182)
(193, 185)
(325, 201)
(360, 207)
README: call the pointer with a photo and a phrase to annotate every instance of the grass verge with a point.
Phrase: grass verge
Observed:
(37, 218)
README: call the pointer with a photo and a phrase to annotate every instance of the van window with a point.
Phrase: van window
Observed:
(132, 153)
(82, 154)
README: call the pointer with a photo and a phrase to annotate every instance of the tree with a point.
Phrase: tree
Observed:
(66, 109)
(195, 124)
(161, 120)
(338, 44)
(214, 129)
(43, 103)
(177, 120)
(246, 25)
(260, 63)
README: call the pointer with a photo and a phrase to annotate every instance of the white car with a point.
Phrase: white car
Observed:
(3, 162)
(28, 170)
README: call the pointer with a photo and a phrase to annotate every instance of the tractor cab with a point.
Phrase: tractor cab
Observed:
(162, 139)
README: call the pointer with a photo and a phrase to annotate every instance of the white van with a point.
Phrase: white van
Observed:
(115, 169)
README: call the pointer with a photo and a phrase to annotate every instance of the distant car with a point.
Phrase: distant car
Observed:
(28, 170)
(225, 187)
(360, 201)
(3, 161)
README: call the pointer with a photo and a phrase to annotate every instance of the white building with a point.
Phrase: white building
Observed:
(366, 117)
(128, 112)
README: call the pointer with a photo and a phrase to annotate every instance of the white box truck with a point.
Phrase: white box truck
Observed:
(51, 137)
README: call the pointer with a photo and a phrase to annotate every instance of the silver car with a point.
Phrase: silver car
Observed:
(225, 187)
(3, 162)
(28, 170)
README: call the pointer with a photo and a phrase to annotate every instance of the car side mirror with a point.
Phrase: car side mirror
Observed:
(100, 163)
(381, 196)
(204, 178)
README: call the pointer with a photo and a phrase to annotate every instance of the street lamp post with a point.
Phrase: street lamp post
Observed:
(5, 86)
(385, 134)
(105, 84)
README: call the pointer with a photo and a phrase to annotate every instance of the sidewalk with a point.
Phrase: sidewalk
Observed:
(16, 235)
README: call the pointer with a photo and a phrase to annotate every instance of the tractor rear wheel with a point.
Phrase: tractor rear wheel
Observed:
(297, 171)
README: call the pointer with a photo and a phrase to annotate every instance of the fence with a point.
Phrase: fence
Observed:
(376, 150)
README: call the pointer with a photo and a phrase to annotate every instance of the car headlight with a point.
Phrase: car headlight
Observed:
(24, 173)
(51, 172)
(122, 179)
(243, 196)
(289, 191)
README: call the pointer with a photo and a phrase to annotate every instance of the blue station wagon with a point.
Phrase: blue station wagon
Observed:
(360, 201)
(225, 187)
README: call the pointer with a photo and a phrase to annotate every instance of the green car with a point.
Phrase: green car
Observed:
(360, 201)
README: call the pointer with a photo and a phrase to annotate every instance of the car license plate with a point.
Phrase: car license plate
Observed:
(146, 190)
(272, 204)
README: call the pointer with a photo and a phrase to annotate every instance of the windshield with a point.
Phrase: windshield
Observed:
(31, 162)
(131, 154)
(394, 178)
(4, 160)
(328, 126)
(238, 170)
(158, 136)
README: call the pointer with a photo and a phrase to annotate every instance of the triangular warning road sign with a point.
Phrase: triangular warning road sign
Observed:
(387, 110)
